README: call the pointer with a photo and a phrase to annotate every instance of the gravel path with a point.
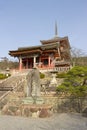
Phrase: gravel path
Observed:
(56, 122)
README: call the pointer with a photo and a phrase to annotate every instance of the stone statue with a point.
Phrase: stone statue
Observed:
(33, 83)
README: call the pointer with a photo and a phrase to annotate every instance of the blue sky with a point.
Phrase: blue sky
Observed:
(25, 22)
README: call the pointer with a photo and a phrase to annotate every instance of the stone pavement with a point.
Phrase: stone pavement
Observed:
(62, 121)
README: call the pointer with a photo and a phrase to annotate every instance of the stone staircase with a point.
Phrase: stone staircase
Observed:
(11, 81)
(12, 88)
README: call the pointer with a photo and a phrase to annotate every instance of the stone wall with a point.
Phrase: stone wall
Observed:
(66, 104)
(52, 104)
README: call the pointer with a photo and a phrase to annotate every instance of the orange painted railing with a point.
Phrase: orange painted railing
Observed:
(44, 68)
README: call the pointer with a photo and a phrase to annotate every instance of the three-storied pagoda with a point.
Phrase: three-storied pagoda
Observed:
(51, 54)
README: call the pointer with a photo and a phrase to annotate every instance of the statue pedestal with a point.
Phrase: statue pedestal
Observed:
(28, 100)
(40, 100)
(33, 100)
(32, 110)
(35, 107)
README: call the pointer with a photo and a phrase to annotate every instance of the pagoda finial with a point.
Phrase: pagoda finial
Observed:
(56, 33)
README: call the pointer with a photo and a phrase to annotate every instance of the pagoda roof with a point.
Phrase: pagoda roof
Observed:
(55, 39)
(32, 49)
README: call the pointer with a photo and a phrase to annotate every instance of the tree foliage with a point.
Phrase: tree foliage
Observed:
(6, 63)
(75, 82)
(79, 57)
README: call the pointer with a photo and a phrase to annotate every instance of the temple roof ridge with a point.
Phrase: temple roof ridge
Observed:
(54, 39)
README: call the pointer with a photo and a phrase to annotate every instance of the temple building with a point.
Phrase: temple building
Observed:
(52, 54)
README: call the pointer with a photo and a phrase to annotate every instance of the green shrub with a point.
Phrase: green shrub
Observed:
(4, 76)
(74, 82)
(78, 71)
(42, 75)
(61, 75)
(61, 88)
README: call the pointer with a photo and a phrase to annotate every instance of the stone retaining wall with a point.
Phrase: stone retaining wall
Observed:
(66, 104)
(52, 104)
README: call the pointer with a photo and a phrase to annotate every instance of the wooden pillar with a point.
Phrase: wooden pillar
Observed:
(39, 61)
(34, 62)
(20, 63)
(26, 63)
(49, 61)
